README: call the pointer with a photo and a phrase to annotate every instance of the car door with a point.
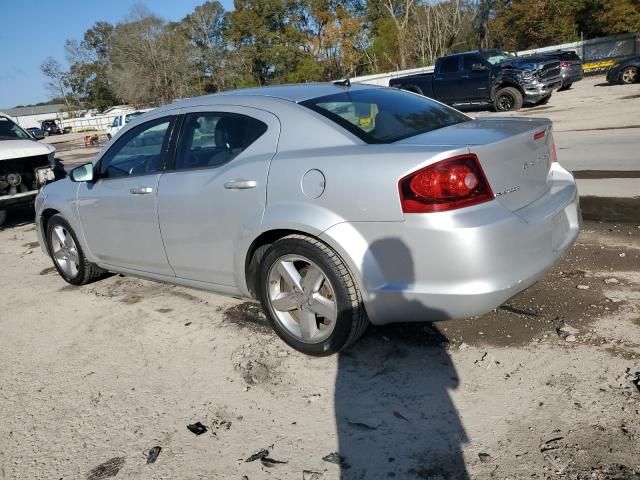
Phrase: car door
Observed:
(476, 81)
(119, 211)
(216, 190)
(446, 80)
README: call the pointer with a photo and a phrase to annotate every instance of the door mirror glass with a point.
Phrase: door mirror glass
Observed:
(83, 173)
(478, 67)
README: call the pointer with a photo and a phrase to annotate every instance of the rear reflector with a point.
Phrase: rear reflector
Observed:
(539, 135)
(554, 154)
(565, 64)
(449, 184)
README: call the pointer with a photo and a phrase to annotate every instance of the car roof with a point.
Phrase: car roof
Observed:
(291, 92)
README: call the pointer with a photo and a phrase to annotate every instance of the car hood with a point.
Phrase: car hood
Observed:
(528, 63)
(10, 149)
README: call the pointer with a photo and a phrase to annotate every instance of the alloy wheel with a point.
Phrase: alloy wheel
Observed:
(630, 75)
(506, 102)
(302, 298)
(65, 251)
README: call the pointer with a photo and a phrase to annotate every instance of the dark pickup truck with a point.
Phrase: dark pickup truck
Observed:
(492, 76)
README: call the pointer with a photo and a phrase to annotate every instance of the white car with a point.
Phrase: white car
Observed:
(25, 166)
(120, 121)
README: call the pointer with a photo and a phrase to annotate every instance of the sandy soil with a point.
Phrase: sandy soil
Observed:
(92, 378)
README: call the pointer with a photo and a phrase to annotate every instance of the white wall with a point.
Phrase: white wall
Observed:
(28, 121)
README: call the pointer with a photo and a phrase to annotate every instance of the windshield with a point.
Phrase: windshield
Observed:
(11, 131)
(495, 57)
(385, 115)
(131, 116)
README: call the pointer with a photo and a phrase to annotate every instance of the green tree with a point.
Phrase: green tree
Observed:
(268, 35)
(524, 24)
(89, 77)
(151, 61)
(205, 30)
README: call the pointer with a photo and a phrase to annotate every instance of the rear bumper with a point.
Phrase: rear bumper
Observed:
(572, 75)
(458, 264)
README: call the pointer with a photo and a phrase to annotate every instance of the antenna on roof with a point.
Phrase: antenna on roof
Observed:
(343, 83)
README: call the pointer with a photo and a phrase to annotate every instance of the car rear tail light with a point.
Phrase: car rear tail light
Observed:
(565, 64)
(446, 185)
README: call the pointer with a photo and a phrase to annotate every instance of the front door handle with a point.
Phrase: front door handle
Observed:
(240, 184)
(141, 190)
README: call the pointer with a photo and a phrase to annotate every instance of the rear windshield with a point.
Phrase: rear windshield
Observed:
(385, 115)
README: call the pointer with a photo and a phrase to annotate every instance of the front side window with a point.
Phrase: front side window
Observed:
(468, 61)
(213, 139)
(116, 122)
(139, 152)
(385, 115)
(11, 131)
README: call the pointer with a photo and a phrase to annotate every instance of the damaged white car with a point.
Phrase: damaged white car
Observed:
(25, 166)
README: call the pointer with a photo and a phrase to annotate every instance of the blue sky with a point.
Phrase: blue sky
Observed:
(32, 31)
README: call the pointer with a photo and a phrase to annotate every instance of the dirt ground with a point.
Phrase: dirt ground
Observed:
(92, 378)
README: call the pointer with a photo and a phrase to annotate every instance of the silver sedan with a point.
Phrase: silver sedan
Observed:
(333, 205)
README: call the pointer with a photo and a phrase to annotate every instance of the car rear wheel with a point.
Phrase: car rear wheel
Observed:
(629, 75)
(3, 217)
(508, 99)
(310, 297)
(565, 87)
(67, 255)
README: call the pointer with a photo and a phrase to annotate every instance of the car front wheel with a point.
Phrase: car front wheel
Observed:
(67, 255)
(508, 99)
(310, 297)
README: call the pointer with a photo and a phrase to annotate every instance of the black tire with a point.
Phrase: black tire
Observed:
(629, 75)
(87, 272)
(351, 321)
(3, 217)
(565, 87)
(508, 99)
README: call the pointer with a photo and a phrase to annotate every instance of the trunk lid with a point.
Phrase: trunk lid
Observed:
(515, 160)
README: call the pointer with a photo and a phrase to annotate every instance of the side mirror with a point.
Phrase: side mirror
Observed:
(83, 173)
(478, 67)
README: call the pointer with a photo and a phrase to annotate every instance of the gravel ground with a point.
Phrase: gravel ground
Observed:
(92, 378)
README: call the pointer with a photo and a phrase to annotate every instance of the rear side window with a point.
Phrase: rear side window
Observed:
(213, 139)
(385, 115)
(449, 65)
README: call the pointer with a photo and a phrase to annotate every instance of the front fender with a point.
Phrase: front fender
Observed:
(61, 196)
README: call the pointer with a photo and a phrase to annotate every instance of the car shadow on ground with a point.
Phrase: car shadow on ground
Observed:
(394, 414)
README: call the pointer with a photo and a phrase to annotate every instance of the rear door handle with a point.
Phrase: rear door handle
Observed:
(141, 190)
(240, 184)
